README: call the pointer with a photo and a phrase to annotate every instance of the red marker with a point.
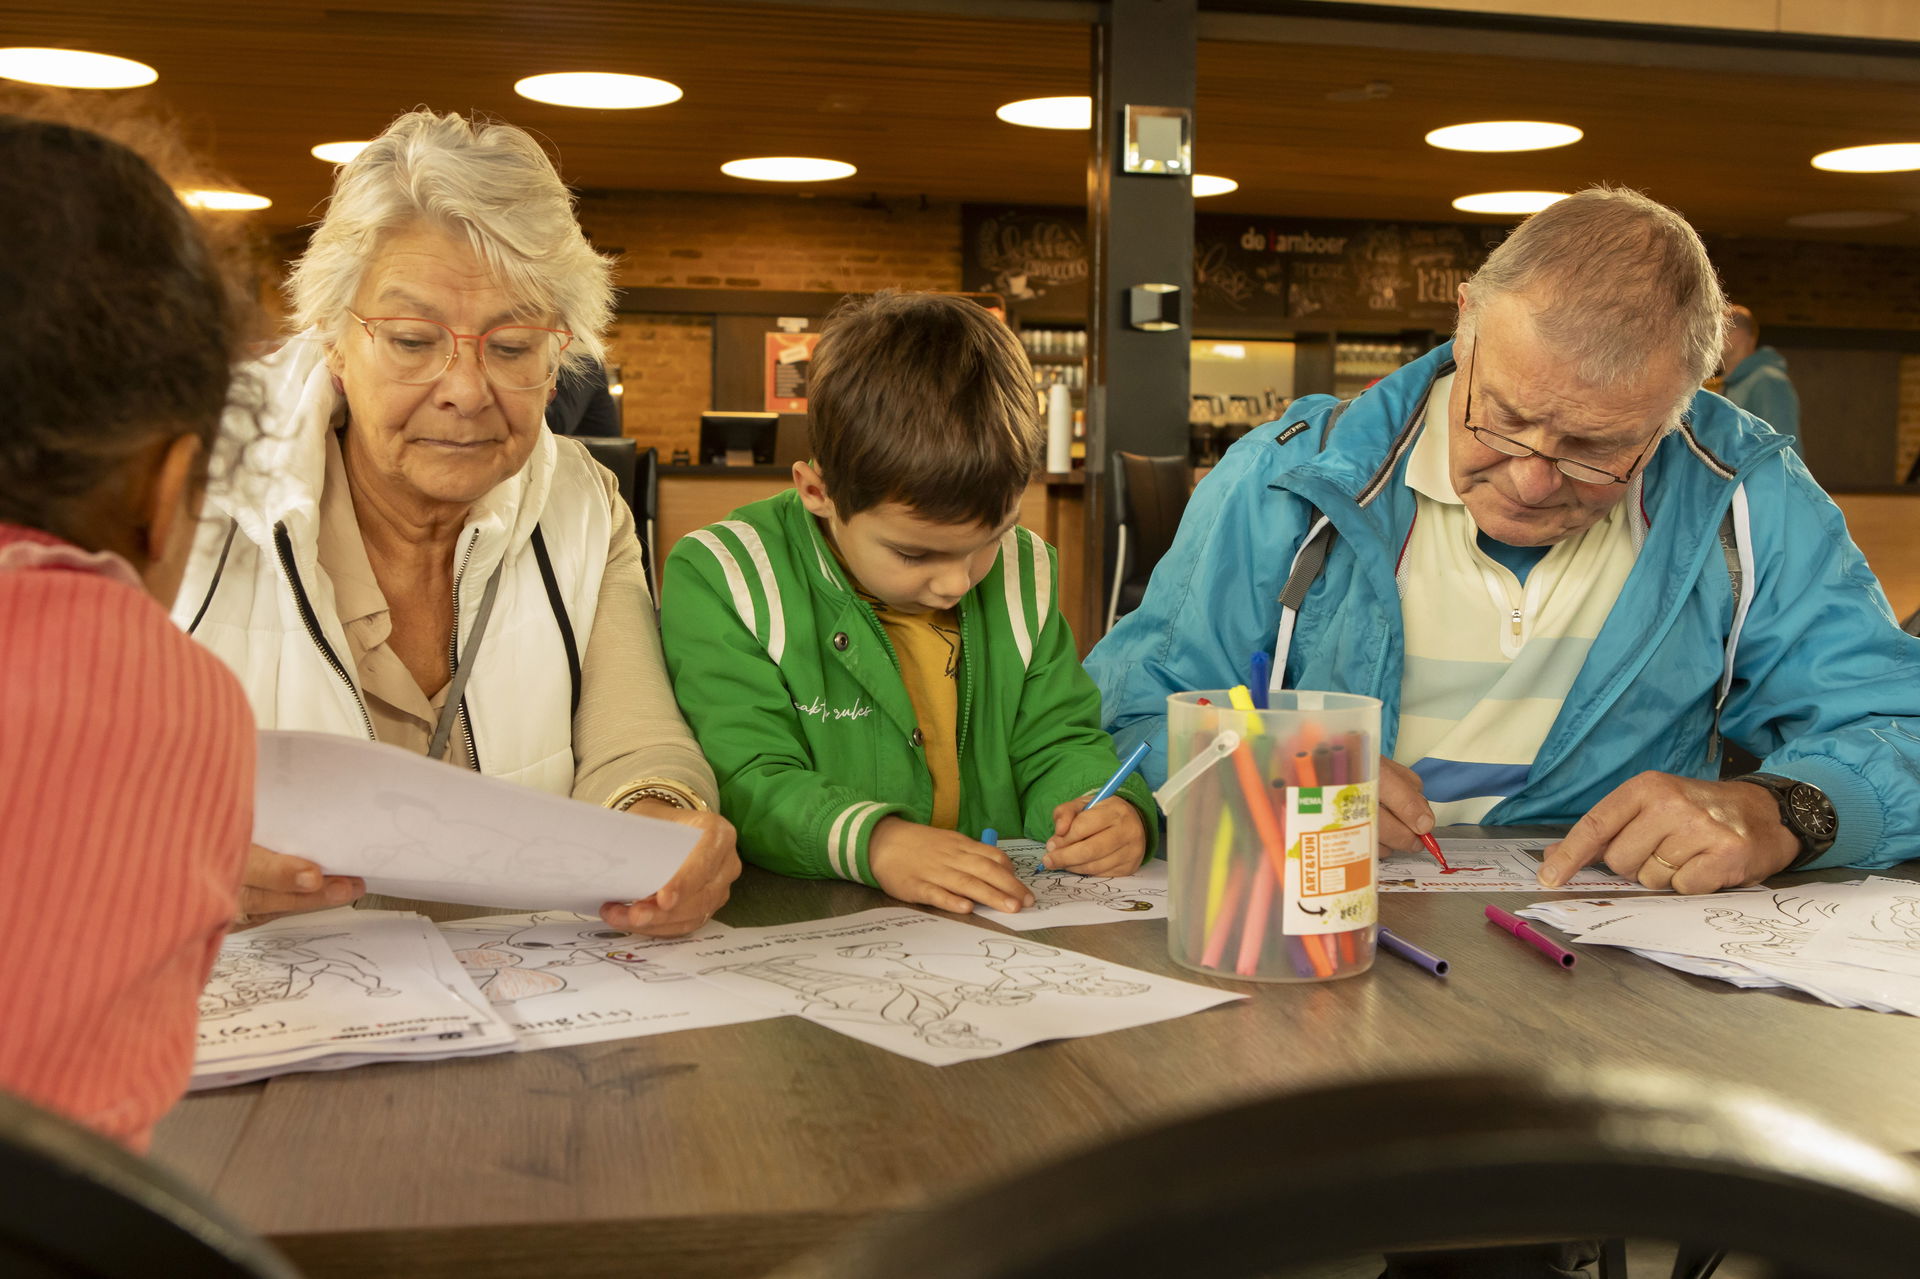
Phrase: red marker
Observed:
(1432, 845)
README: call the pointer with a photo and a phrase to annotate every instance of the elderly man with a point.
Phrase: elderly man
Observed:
(1565, 571)
(1757, 378)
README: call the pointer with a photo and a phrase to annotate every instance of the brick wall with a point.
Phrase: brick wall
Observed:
(1822, 284)
(748, 242)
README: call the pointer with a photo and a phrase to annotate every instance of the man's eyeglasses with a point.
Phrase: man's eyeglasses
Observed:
(414, 352)
(1580, 472)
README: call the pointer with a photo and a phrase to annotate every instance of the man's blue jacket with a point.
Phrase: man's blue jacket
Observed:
(1826, 686)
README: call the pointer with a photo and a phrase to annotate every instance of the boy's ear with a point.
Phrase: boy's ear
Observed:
(813, 490)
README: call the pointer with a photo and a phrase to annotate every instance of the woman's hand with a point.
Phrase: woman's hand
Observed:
(275, 884)
(700, 887)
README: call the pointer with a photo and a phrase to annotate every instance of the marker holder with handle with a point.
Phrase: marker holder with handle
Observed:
(1272, 848)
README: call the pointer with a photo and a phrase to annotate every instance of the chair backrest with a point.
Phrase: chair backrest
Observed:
(637, 471)
(1386, 1166)
(1912, 625)
(74, 1204)
(1149, 497)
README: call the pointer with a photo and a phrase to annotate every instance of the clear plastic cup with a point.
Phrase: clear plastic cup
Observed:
(1272, 849)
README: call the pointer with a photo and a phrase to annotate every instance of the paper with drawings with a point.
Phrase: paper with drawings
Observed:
(1878, 926)
(560, 978)
(1751, 937)
(415, 827)
(1062, 898)
(342, 981)
(1490, 865)
(933, 989)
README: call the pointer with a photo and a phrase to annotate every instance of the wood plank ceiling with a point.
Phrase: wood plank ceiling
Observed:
(909, 98)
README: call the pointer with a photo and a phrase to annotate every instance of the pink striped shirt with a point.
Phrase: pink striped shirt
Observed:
(126, 803)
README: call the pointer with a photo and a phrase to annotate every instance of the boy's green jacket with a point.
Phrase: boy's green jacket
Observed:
(793, 689)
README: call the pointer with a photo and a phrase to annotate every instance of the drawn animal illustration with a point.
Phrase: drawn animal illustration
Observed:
(522, 959)
(1796, 920)
(1897, 927)
(1064, 888)
(884, 984)
(278, 967)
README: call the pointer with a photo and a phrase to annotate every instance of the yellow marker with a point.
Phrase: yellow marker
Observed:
(1217, 881)
(1243, 701)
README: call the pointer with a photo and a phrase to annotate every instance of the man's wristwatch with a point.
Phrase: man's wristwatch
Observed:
(1805, 811)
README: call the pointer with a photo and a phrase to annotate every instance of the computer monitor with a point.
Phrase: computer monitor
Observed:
(738, 439)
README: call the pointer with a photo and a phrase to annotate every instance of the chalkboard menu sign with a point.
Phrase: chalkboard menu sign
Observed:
(1249, 273)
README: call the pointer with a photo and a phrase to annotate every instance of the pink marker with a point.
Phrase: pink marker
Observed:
(1527, 933)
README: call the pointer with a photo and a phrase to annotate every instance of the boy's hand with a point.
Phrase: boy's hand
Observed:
(942, 868)
(1107, 839)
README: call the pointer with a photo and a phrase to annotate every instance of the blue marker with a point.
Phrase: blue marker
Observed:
(990, 837)
(1127, 766)
(1262, 676)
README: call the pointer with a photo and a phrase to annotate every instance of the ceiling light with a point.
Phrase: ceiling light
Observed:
(339, 152)
(1848, 218)
(1503, 135)
(224, 201)
(1508, 201)
(1050, 113)
(74, 69)
(600, 90)
(1206, 184)
(1888, 157)
(788, 168)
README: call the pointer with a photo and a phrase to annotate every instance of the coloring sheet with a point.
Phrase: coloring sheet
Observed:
(1878, 926)
(1490, 865)
(1062, 898)
(337, 981)
(414, 827)
(933, 989)
(1750, 937)
(560, 978)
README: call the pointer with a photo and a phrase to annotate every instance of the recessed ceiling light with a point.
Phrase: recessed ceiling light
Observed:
(1887, 157)
(600, 90)
(1846, 218)
(339, 152)
(1206, 184)
(1503, 135)
(1050, 113)
(788, 168)
(224, 201)
(1508, 201)
(74, 69)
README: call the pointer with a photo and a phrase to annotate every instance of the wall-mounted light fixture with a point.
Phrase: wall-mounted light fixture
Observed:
(1154, 307)
(1159, 140)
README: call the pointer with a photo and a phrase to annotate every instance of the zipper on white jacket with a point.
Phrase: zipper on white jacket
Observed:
(283, 547)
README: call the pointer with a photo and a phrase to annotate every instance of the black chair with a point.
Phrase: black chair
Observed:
(1466, 1160)
(638, 472)
(74, 1204)
(1149, 497)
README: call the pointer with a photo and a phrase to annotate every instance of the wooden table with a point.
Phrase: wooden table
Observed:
(722, 1152)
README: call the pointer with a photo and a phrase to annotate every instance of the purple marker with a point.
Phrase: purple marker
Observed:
(1412, 953)
(1539, 941)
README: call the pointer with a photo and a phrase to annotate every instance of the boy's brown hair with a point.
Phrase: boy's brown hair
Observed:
(925, 400)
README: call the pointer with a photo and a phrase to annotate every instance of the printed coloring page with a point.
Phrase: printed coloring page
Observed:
(1062, 898)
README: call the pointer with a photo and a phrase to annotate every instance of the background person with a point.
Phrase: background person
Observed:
(1756, 377)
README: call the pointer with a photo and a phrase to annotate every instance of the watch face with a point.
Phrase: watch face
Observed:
(1812, 811)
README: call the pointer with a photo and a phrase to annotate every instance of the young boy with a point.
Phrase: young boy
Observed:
(873, 661)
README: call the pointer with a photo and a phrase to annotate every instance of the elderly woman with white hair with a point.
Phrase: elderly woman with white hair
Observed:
(427, 565)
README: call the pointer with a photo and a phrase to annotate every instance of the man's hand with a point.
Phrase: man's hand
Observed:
(1404, 813)
(942, 868)
(701, 886)
(275, 884)
(1679, 833)
(1106, 840)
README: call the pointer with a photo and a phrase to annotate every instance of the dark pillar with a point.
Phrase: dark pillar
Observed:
(1141, 232)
